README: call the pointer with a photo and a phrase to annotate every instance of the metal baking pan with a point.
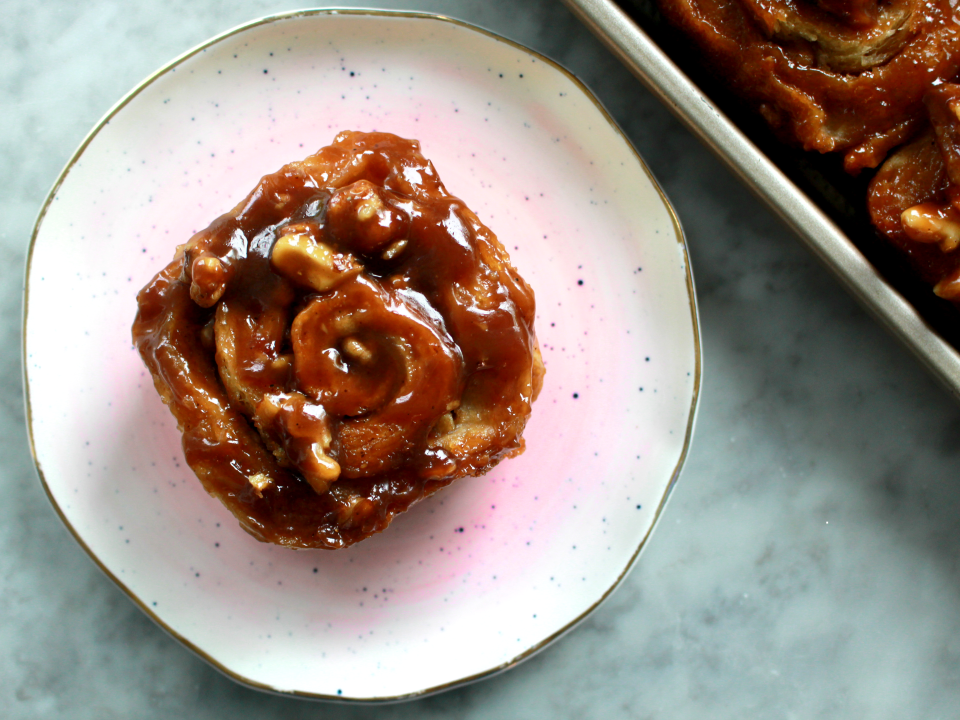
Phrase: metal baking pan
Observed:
(810, 192)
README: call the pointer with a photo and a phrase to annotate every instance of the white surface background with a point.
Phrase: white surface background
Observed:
(806, 566)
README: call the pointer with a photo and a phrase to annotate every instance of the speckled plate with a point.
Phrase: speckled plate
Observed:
(492, 569)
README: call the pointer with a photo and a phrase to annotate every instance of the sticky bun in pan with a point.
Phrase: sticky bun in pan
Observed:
(346, 341)
(914, 199)
(871, 80)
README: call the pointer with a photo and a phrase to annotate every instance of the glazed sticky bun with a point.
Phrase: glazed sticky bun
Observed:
(346, 341)
(831, 75)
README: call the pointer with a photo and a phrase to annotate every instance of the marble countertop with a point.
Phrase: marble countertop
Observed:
(807, 565)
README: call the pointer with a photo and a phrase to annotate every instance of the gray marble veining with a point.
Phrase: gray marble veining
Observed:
(807, 565)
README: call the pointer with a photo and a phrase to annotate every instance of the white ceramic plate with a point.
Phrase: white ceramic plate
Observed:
(490, 570)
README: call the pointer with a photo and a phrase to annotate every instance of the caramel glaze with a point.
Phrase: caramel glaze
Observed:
(346, 341)
(834, 75)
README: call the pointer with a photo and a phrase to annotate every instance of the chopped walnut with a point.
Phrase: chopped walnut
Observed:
(208, 280)
(314, 264)
(933, 223)
(260, 482)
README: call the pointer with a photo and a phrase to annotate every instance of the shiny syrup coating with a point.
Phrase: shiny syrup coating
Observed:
(346, 341)
(830, 75)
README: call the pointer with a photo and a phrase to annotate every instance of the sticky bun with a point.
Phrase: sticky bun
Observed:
(346, 341)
